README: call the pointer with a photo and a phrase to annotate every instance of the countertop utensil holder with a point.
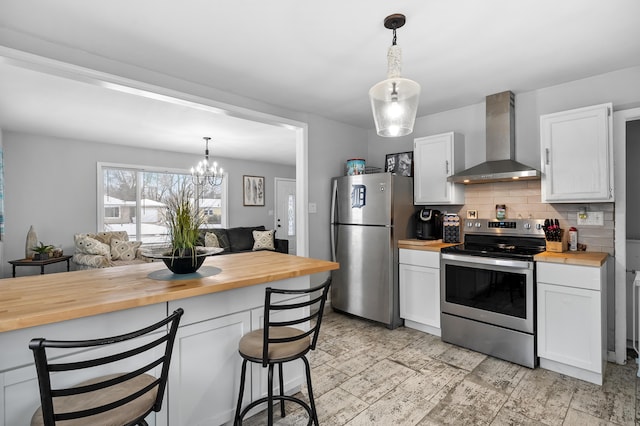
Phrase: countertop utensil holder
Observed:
(558, 246)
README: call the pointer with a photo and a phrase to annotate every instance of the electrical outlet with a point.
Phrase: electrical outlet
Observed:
(313, 208)
(591, 219)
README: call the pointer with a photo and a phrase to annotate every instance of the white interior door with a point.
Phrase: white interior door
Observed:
(285, 217)
(620, 120)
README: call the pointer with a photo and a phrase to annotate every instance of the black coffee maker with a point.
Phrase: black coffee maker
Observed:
(428, 224)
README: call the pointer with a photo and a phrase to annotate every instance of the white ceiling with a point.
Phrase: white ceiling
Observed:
(45, 104)
(319, 57)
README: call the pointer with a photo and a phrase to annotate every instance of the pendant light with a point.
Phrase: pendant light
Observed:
(394, 101)
(204, 173)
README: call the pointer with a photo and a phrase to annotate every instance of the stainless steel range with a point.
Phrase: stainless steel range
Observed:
(488, 289)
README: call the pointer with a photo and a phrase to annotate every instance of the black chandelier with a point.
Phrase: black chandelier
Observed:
(205, 173)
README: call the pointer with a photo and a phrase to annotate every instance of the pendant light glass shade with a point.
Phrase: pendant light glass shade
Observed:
(394, 101)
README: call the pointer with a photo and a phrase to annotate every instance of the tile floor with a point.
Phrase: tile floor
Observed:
(365, 374)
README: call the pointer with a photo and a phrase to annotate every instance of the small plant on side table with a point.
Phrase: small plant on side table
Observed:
(42, 251)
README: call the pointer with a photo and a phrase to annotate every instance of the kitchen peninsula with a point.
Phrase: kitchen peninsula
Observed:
(219, 309)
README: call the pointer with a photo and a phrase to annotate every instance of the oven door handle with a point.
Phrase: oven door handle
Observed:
(521, 264)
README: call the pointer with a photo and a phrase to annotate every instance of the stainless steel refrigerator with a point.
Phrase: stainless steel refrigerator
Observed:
(369, 214)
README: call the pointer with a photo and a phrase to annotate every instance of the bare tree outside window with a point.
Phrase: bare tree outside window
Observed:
(134, 200)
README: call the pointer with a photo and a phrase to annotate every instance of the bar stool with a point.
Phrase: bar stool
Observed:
(279, 342)
(124, 398)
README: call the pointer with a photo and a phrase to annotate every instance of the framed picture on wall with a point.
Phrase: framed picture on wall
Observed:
(253, 190)
(400, 163)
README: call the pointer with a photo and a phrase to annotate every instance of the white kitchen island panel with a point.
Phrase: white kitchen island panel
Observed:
(204, 375)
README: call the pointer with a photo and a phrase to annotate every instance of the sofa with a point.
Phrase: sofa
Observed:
(106, 249)
(242, 239)
(113, 248)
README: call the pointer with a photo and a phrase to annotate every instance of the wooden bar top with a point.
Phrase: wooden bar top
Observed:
(579, 258)
(427, 245)
(43, 299)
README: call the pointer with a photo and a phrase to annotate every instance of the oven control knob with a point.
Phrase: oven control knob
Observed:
(478, 224)
(538, 226)
(469, 224)
(527, 225)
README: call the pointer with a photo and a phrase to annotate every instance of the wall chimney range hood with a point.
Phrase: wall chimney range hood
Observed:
(500, 130)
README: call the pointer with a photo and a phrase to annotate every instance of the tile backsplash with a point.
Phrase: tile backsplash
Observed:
(522, 200)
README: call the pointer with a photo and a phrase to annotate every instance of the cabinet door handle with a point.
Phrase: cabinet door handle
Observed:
(446, 166)
(547, 155)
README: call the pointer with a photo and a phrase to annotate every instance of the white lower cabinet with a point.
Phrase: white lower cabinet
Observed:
(205, 371)
(572, 320)
(420, 290)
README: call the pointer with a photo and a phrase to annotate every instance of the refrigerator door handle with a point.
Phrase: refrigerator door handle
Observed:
(334, 195)
(333, 243)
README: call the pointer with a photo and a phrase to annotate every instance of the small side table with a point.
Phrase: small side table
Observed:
(40, 263)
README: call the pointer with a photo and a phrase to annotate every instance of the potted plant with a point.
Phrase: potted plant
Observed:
(42, 251)
(183, 220)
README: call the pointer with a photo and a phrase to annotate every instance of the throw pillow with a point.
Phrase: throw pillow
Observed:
(124, 250)
(88, 245)
(210, 240)
(241, 238)
(264, 240)
(107, 236)
(223, 238)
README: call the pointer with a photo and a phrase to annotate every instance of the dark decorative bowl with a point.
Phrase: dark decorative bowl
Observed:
(185, 264)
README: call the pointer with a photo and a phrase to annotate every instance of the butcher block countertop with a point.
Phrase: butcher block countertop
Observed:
(427, 245)
(43, 299)
(580, 258)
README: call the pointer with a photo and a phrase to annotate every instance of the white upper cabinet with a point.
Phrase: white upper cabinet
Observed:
(436, 158)
(577, 155)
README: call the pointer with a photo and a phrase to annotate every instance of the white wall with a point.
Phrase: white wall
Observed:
(51, 183)
(331, 144)
(3, 260)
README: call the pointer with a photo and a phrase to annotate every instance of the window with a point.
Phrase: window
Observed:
(111, 212)
(291, 215)
(131, 199)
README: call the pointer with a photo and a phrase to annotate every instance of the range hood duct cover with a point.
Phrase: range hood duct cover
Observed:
(501, 131)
